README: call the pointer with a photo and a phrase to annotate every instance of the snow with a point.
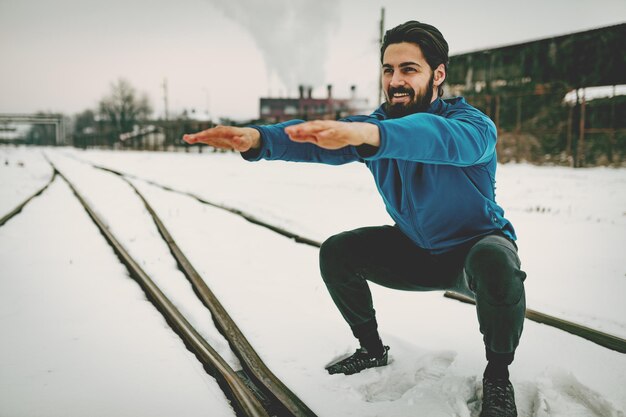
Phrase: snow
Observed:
(78, 335)
(23, 173)
(592, 93)
(571, 225)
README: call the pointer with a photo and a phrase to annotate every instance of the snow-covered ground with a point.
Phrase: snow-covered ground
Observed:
(81, 352)
(23, 173)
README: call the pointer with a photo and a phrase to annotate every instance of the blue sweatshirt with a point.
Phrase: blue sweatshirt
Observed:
(434, 170)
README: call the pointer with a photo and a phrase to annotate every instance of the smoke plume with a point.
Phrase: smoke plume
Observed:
(293, 35)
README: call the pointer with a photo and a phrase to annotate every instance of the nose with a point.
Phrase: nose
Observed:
(396, 79)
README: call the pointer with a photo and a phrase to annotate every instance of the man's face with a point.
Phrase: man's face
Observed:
(407, 80)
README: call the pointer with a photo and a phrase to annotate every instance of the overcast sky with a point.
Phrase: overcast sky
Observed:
(222, 55)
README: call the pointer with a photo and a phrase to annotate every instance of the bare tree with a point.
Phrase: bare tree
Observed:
(85, 122)
(123, 108)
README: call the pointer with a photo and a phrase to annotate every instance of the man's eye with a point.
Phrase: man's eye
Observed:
(409, 69)
(387, 70)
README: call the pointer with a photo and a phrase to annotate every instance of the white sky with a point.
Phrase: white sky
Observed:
(223, 55)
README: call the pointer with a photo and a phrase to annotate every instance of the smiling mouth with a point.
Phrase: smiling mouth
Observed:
(400, 98)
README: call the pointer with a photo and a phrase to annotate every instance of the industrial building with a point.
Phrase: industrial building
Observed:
(307, 107)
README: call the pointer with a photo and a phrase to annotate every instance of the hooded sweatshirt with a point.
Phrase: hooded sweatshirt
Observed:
(435, 170)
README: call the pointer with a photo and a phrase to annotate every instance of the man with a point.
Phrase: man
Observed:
(434, 164)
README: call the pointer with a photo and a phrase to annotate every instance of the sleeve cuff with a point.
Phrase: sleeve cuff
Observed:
(369, 152)
(255, 154)
(251, 154)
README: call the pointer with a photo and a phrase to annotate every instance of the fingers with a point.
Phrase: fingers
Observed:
(214, 132)
(307, 132)
(308, 128)
(319, 138)
(225, 137)
(328, 134)
(303, 138)
(190, 139)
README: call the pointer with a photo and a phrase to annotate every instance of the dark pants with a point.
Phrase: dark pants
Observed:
(487, 269)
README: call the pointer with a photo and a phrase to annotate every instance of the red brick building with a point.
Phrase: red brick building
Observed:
(306, 107)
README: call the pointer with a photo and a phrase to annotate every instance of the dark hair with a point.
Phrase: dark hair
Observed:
(427, 37)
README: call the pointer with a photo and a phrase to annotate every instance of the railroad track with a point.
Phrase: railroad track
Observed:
(603, 339)
(606, 340)
(20, 206)
(255, 391)
(260, 374)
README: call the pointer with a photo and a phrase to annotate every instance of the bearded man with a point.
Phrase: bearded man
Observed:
(434, 163)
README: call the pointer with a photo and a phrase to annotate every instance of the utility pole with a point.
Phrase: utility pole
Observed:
(208, 102)
(380, 43)
(165, 98)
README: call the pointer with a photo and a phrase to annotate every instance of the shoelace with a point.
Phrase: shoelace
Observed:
(499, 399)
(357, 362)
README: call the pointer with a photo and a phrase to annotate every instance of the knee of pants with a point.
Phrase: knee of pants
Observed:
(335, 256)
(494, 272)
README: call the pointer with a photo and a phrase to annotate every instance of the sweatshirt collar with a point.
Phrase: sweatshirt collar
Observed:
(435, 107)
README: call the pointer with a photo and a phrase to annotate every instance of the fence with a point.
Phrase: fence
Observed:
(542, 126)
(557, 127)
(149, 136)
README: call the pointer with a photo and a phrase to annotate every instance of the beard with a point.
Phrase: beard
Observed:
(417, 102)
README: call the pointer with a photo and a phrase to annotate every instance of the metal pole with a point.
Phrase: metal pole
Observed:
(57, 128)
(568, 148)
(581, 133)
(497, 120)
(165, 98)
(613, 127)
(518, 126)
(380, 44)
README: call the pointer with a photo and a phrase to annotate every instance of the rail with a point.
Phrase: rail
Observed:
(244, 398)
(601, 338)
(20, 206)
(255, 367)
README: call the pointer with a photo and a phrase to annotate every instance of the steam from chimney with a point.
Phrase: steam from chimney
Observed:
(293, 35)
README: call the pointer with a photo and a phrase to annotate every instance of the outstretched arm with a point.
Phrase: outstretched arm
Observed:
(271, 142)
(240, 139)
(329, 134)
(463, 139)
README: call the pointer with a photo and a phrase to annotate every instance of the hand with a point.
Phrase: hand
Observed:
(239, 139)
(330, 134)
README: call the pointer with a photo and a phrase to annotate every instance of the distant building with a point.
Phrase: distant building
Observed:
(306, 107)
(9, 133)
(583, 59)
(554, 100)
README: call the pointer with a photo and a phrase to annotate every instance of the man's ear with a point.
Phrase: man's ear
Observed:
(440, 75)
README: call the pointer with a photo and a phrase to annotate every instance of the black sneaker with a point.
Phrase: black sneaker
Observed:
(498, 398)
(359, 361)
